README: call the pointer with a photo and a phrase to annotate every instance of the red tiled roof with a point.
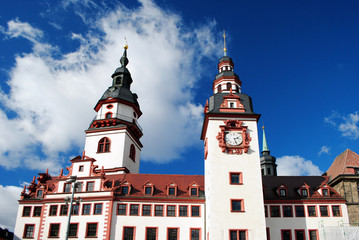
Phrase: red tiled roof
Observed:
(343, 164)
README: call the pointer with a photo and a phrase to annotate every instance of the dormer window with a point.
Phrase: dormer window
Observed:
(104, 145)
(39, 193)
(304, 193)
(282, 191)
(133, 152)
(325, 190)
(172, 189)
(304, 190)
(125, 188)
(193, 189)
(148, 188)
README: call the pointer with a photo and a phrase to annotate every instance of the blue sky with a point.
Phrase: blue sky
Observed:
(298, 60)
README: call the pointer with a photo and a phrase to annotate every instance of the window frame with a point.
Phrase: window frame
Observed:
(23, 211)
(50, 210)
(199, 210)
(238, 231)
(75, 208)
(315, 210)
(117, 209)
(58, 231)
(271, 212)
(34, 211)
(291, 210)
(316, 234)
(147, 228)
(25, 231)
(241, 201)
(83, 209)
(42, 193)
(299, 230)
(296, 212)
(66, 189)
(177, 233)
(81, 168)
(62, 206)
(87, 230)
(179, 210)
(143, 209)
(133, 231)
(155, 210)
(285, 230)
(138, 209)
(95, 209)
(340, 211)
(87, 186)
(104, 145)
(172, 210)
(77, 230)
(320, 211)
(132, 155)
(240, 178)
(199, 233)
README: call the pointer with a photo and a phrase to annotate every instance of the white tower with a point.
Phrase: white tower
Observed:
(113, 138)
(234, 195)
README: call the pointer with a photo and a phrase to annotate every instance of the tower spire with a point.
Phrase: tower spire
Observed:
(224, 43)
(265, 146)
(124, 59)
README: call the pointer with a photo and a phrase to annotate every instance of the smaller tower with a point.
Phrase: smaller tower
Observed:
(113, 138)
(268, 165)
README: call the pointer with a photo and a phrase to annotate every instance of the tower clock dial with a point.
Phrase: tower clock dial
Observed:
(234, 138)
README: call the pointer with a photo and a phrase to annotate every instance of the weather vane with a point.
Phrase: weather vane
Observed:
(224, 43)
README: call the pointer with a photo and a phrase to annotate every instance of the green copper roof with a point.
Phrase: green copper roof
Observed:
(265, 147)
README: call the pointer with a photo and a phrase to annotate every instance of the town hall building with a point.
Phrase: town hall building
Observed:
(102, 195)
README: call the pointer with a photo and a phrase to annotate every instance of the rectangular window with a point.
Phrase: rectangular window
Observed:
(26, 211)
(151, 233)
(86, 209)
(98, 208)
(324, 211)
(183, 211)
(134, 209)
(73, 229)
(63, 210)
(195, 234)
(299, 235)
(53, 210)
(122, 209)
(39, 193)
(146, 210)
(286, 235)
(171, 210)
(148, 190)
(37, 212)
(194, 192)
(304, 193)
(313, 235)
(78, 187)
(172, 233)
(28, 231)
(128, 233)
(237, 235)
(237, 205)
(283, 192)
(125, 189)
(235, 178)
(287, 211)
(265, 211)
(54, 230)
(171, 191)
(325, 192)
(67, 187)
(336, 211)
(274, 211)
(91, 230)
(195, 211)
(299, 211)
(81, 168)
(159, 210)
(312, 211)
(90, 186)
(75, 209)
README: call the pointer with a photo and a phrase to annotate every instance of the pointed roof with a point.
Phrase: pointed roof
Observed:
(265, 146)
(343, 164)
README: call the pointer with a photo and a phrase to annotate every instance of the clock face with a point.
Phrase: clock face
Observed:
(234, 138)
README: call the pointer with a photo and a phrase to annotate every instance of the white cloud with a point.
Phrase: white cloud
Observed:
(324, 149)
(347, 125)
(53, 94)
(8, 196)
(296, 166)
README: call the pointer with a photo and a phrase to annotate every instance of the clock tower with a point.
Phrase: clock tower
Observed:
(113, 138)
(234, 194)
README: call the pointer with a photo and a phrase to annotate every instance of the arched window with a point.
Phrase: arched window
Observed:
(229, 86)
(108, 115)
(104, 145)
(133, 152)
(219, 88)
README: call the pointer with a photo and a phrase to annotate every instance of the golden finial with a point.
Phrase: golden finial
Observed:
(262, 127)
(224, 43)
(126, 46)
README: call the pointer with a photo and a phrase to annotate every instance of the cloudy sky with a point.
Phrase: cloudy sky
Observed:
(298, 60)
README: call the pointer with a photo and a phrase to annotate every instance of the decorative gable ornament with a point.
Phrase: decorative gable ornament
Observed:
(233, 137)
